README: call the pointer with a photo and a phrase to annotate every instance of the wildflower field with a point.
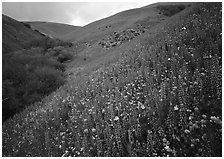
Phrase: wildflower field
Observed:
(163, 97)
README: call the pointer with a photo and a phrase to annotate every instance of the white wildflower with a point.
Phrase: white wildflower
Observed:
(196, 109)
(164, 140)
(93, 130)
(86, 131)
(141, 105)
(85, 120)
(116, 118)
(176, 108)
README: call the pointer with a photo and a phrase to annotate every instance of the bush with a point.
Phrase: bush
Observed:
(46, 43)
(48, 79)
(170, 10)
(60, 53)
(64, 56)
(26, 25)
(54, 51)
(28, 75)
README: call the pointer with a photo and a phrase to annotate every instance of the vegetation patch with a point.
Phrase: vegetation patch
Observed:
(28, 76)
(46, 43)
(60, 54)
(31, 74)
(170, 10)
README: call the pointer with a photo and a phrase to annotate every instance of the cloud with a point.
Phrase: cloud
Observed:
(143, 3)
(94, 11)
(74, 13)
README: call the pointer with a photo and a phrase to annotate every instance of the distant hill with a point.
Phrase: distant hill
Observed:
(138, 18)
(16, 35)
(54, 30)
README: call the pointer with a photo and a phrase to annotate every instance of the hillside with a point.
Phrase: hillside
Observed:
(103, 41)
(55, 30)
(32, 65)
(139, 92)
(139, 19)
(16, 35)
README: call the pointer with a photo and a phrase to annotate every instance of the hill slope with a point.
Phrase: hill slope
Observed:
(29, 56)
(16, 35)
(55, 30)
(162, 97)
(140, 18)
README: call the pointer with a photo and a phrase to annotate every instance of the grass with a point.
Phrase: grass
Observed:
(162, 98)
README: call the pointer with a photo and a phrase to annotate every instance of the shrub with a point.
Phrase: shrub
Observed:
(55, 51)
(26, 25)
(46, 43)
(28, 75)
(64, 56)
(170, 10)
(49, 79)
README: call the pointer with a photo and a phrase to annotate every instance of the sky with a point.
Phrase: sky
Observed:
(73, 13)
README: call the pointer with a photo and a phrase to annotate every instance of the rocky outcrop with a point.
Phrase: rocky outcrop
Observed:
(118, 38)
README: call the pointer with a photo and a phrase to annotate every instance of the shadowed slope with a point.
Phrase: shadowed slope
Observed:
(55, 30)
(15, 34)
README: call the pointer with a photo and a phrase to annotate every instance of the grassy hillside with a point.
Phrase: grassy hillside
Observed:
(55, 30)
(16, 35)
(134, 18)
(162, 97)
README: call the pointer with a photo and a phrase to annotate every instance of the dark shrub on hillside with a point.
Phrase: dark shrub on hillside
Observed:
(64, 56)
(54, 51)
(46, 43)
(26, 25)
(46, 79)
(60, 54)
(28, 75)
(39, 32)
(170, 10)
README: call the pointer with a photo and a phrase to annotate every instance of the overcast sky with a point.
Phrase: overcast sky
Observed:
(74, 13)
